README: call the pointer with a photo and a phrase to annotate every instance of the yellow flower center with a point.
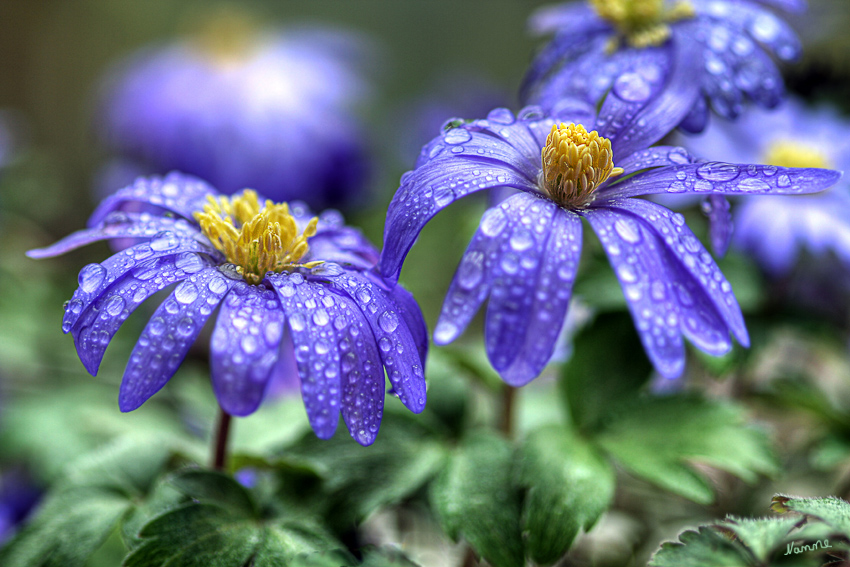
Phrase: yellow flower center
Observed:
(788, 153)
(256, 240)
(641, 23)
(575, 163)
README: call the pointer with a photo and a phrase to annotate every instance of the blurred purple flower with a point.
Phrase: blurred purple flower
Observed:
(272, 111)
(18, 496)
(263, 265)
(596, 41)
(774, 230)
(526, 251)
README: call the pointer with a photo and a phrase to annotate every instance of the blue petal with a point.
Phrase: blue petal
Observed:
(719, 223)
(362, 375)
(313, 314)
(565, 19)
(759, 23)
(409, 310)
(504, 153)
(527, 309)
(656, 156)
(396, 343)
(180, 194)
(168, 335)
(117, 224)
(691, 258)
(94, 279)
(343, 246)
(697, 119)
(638, 261)
(646, 104)
(95, 328)
(723, 178)
(244, 347)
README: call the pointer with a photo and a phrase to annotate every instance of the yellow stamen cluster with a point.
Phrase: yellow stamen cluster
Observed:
(255, 239)
(642, 23)
(575, 163)
(788, 153)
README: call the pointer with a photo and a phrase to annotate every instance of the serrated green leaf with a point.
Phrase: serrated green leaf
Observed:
(207, 535)
(69, 528)
(761, 536)
(705, 548)
(599, 380)
(835, 512)
(86, 505)
(474, 497)
(657, 437)
(214, 487)
(569, 485)
(355, 480)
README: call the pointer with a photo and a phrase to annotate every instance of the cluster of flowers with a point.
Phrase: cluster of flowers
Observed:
(284, 279)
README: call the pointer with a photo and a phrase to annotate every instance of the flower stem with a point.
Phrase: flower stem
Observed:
(222, 433)
(508, 398)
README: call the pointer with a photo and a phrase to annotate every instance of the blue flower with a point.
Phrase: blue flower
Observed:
(526, 251)
(596, 41)
(264, 265)
(271, 111)
(775, 230)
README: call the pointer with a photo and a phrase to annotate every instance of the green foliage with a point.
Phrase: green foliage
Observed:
(568, 486)
(806, 537)
(354, 481)
(222, 526)
(658, 437)
(85, 506)
(606, 372)
(475, 496)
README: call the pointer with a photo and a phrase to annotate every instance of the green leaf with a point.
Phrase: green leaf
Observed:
(762, 536)
(474, 497)
(569, 485)
(222, 526)
(657, 438)
(705, 548)
(87, 504)
(606, 371)
(207, 535)
(835, 512)
(355, 480)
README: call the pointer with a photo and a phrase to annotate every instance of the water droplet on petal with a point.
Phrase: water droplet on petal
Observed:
(164, 241)
(716, 171)
(296, 322)
(186, 292)
(388, 321)
(632, 87)
(115, 305)
(628, 230)
(493, 222)
(457, 136)
(91, 277)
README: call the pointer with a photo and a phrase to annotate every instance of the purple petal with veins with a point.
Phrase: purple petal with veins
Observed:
(396, 343)
(118, 224)
(94, 279)
(723, 178)
(95, 328)
(638, 261)
(244, 347)
(656, 156)
(692, 258)
(180, 194)
(533, 310)
(720, 226)
(168, 335)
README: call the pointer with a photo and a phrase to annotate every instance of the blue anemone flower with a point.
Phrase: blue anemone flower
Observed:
(596, 41)
(526, 251)
(775, 230)
(274, 111)
(264, 266)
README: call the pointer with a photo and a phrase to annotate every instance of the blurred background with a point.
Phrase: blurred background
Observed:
(429, 61)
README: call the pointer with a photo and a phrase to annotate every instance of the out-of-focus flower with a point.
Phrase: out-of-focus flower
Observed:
(272, 111)
(264, 265)
(596, 41)
(774, 230)
(18, 496)
(526, 251)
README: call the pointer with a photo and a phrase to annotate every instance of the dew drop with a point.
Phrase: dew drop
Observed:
(297, 322)
(628, 230)
(91, 277)
(717, 171)
(186, 292)
(321, 318)
(388, 321)
(457, 136)
(164, 241)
